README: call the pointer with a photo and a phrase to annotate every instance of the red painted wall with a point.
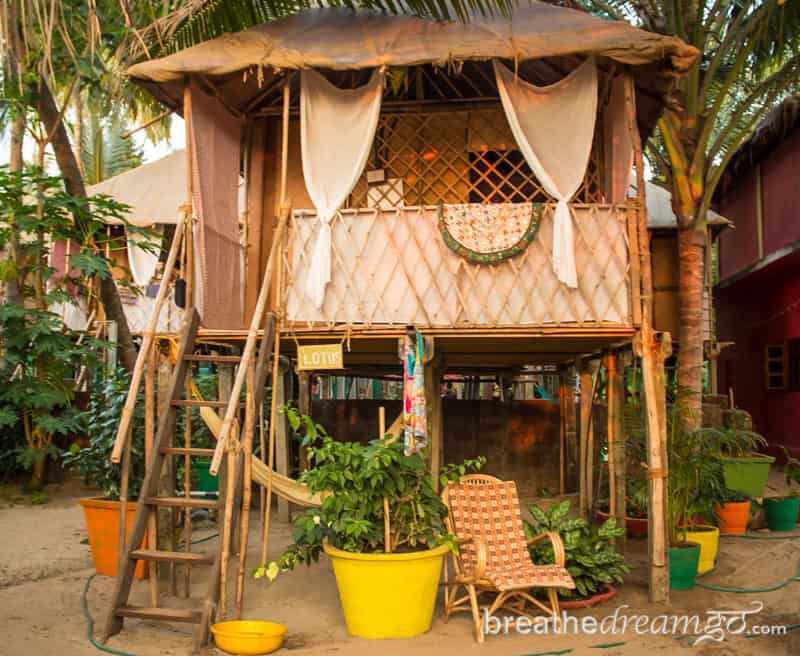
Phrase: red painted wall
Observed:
(779, 171)
(738, 246)
(763, 308)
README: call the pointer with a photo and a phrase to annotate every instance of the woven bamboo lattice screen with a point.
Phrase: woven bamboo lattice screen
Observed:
(454, 157)
(392, 268)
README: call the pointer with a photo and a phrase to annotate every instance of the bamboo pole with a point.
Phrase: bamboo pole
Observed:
(273, 417)
(125, 471)
(247, 448)
(189, 225)
(387, 524)
(147, 343)
(149, 435)
(258, 313)
(262, 493)
(232, 454)
(586, 449)
(187, 485)
(611, 394)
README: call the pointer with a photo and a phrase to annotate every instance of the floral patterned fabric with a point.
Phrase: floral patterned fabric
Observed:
(489, 233)
(415, 428)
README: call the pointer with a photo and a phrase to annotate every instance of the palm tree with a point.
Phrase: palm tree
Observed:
(750, 60)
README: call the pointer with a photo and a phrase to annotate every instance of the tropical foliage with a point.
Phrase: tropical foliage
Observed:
(591, 557)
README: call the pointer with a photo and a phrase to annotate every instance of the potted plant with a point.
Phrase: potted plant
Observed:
(745, 470)
(782, 512)
(635, 508)
(591, 557)
(381, 524)
(102, 514)
(732, 512)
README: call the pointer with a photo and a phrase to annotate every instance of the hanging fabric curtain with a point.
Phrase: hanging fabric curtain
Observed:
(142, 262)
(215, 148)
(554, 128)
(337, 127)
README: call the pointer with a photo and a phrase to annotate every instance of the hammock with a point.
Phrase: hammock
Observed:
(285, 487)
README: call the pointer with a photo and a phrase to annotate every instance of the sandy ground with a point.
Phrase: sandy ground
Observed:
(44, 566)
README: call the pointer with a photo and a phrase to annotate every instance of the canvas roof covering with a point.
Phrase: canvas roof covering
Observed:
(155, 191)
(344, 39)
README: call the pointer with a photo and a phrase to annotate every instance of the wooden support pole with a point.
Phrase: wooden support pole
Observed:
(125, 472)
(231, 460)
(247, 483)
(188, 274)
(282, 450)
(616, 438)
(567, 455)
(588, 372)
(273, 419)
(304, 408)
(149, 435)
(653, 348)
(166, 487)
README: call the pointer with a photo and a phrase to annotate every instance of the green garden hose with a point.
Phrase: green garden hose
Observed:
(90, 623)
(772, 588)
(760, 536)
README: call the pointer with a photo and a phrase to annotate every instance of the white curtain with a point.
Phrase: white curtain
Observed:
(337, 127)
(554, 127)
(143, 262)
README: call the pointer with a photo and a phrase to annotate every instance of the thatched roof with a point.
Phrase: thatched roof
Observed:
(243, 64)
(777, 126)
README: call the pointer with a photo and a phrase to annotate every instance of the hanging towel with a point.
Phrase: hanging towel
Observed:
(415, 424)
(337, 127)
(554, 128)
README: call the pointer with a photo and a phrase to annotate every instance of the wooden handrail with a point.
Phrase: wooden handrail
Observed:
(147, 343)
(252, 338)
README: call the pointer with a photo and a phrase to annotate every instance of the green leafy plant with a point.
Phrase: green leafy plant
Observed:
(354, 480)
(93, 462)
(591, 558)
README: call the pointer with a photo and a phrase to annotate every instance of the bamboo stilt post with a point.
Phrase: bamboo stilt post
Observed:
(189, 224)
(282, 442)
(247, 484)
(588, 371)
(653, 349)
(273, 418)
(149, 435)
(614, 508)
(187, 486)
(568, 436)
(262, 493)
(263, 294)
(147, 343)
(562, 439)
(616, 432)
(304, 408)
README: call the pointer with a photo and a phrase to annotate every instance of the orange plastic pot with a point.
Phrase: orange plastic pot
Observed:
(102, 524)
(733, 517)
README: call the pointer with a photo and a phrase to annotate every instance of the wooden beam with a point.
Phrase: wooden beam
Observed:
(588, 373)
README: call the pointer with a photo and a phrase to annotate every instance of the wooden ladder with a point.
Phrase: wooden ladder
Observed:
(150, 498)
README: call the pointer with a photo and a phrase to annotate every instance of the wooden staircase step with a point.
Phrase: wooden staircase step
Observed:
(173, 556)
(233, 359)
(163, 614)
(183, 451)
(181, 502)
(201, 403)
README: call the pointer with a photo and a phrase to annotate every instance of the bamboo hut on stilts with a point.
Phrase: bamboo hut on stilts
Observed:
(462, 183)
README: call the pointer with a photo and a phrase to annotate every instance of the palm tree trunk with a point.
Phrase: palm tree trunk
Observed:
(45, 105)
(691, 258)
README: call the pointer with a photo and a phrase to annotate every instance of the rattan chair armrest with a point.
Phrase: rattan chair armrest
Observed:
(558, 545)
(481, 555)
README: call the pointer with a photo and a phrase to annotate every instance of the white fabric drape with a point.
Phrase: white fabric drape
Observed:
(143, 262)
(554, 127)
(337, 127)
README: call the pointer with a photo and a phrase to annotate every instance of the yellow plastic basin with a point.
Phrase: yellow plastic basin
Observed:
(248, 637)
(387, 595)
(708, 539)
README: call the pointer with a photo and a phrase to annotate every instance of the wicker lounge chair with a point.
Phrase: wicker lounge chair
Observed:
(484, 515)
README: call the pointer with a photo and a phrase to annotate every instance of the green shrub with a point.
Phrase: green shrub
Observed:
(591, 559)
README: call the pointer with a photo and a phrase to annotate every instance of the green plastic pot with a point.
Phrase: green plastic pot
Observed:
(747, 474)
(205, 481)
(781, 513)
(683, 562)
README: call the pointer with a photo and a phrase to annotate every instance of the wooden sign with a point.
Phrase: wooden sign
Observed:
(320, 356)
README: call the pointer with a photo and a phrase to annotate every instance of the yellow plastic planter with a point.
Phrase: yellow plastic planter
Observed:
(387, 595)
(708, 539)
